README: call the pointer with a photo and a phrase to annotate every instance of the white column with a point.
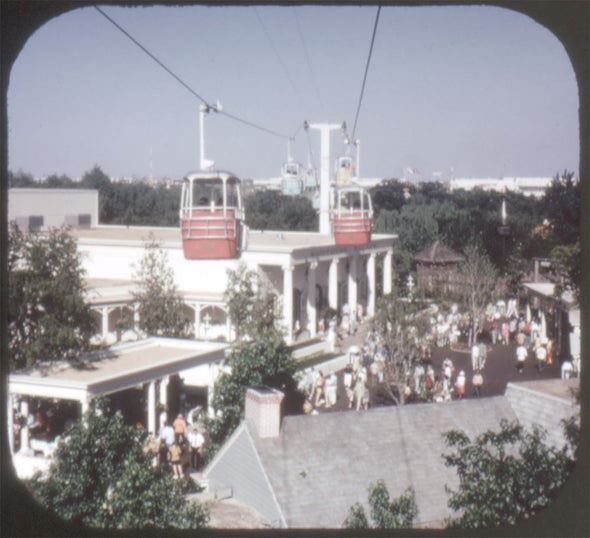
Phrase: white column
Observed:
(228, 327)
(24, 431)
(312, 315)
(135, 316)
(387, 272)
(163, 399)
(333, 284)
(10, 421)
(288, 301)
(151, 407)
(84, 406)
(105, 322)
(371, 285)
(352, 283)
(197, 309)
(213, 369)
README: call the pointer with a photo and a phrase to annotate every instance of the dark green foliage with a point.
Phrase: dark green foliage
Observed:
(271, 210)
(160, 306)
(505, 476)
(398, 513)
(567, 262)
(47, 315)
(264, 361)
(100, 477)
(20, 180)
(561, 205)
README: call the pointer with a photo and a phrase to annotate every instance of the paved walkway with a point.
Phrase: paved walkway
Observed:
(500, 368)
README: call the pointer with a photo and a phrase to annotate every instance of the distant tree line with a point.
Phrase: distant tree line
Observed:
(140, 204)
(545, 227)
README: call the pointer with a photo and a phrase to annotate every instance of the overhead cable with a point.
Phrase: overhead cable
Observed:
(313, 79)
(184, 84)
(358, 109)
(272, 45)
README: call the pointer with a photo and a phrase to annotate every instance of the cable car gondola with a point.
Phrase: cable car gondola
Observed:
(352, 215)
(291, 178)
(211, 215)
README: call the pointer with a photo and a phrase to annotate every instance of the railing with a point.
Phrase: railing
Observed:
(208, 224)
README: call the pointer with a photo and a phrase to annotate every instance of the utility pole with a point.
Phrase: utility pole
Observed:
(325, 129)
(204, 163)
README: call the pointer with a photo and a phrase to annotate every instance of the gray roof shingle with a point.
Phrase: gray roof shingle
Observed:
(320, 465)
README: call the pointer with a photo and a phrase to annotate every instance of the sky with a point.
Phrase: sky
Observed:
(469, 91)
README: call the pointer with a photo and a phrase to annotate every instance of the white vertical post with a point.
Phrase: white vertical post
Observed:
(197, 309)
(312, 315)
(333, 284)
(24, 431)
(10, 421)
(371, 285)
(105, 322)
(84, 406)
(387, 272)
(135, 316)
(151, 407)
(228, 327)
(163, 399)
(325, 129)
(213, 370)
(288, 301)
(352, 284)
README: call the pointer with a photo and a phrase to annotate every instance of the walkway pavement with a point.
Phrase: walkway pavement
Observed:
(500, 368)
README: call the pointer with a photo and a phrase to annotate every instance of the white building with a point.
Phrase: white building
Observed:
(307, 272)
(530, 186)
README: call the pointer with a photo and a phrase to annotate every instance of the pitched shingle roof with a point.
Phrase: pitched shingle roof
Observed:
(438, 253)
(319, 466)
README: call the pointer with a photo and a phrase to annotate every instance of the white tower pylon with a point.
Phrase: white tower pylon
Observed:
(325, 128)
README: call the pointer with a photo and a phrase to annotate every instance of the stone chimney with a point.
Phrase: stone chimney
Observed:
(263, 410)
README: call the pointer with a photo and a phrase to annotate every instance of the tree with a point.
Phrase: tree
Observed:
(250, 306)
(159, 303)
(561, 204)
(477, 278)
(567, 264)
(507, 475)
(100, 477)
(271, 210)
(20, 180)
(260, 356)
(385, 514)
(48, 317)
(264, 361)
(401, 325)
(97, 179)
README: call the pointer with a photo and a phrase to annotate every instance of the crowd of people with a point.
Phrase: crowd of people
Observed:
(178, 447)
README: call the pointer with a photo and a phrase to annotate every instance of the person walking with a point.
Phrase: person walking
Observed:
(460, 384)
(174, 455)
(521, 355)
(475, 357)
(477, 382)
(179, 426)
(541, 354)
(196, 441)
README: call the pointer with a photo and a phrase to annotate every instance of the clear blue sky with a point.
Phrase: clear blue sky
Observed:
(482, 90)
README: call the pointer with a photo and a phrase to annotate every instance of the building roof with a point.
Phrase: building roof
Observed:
(319, 466)
(438, 253)
(268, 240)
(115, 368)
